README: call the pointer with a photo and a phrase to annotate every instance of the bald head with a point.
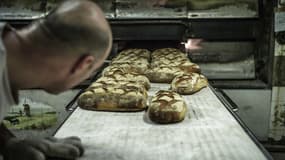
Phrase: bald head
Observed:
(61, 50)
(78, 26)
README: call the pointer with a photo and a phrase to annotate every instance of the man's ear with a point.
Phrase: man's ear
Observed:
(83, 63)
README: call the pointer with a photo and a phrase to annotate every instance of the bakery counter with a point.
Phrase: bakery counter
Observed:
(209, 131)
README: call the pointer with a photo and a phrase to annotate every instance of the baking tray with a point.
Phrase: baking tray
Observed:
(208, 132)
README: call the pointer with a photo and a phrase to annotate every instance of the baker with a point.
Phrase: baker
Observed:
(54, 53)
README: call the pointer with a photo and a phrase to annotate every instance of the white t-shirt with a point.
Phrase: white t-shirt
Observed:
(6, 98)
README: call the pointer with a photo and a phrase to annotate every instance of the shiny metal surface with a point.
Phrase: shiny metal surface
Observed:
(22, 10)
(244, 69)
(147, 9)
(20, 14)
(254, 109)
(150, 9)
(230, 10)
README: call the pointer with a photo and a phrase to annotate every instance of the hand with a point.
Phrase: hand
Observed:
(42, 149)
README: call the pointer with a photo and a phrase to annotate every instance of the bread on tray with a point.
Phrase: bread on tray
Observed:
(167, 107)
(123, 96)
(189, 83)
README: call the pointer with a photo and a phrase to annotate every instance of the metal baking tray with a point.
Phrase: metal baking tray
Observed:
(209, 131)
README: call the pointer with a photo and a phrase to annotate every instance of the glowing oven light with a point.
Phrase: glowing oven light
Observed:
(193, 44)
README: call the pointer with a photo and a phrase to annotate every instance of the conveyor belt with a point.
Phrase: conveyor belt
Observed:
(209, 132)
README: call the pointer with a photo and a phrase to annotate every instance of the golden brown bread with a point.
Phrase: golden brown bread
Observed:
(139, 67)
(189, 67)
(163, 74)
(119, 77)
(114, 69)
(167, 107)
(114, 97)
(135, 52)
(133, 60)
(168, 63)
(166, 52)
(189, 83)
(122, 86)
(184, 65)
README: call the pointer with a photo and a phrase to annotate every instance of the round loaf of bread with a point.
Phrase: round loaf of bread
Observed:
(167, 107)
(189, 83)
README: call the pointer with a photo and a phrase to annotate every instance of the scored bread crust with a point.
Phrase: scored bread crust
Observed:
(165, 52)
(163, 74)
(167, 107)
(128, 77)
(138, 67)
(189, 83)
(102, 96)
(168, 63)
(184, 65)
(133, 60)
(189, 67)
(135, 52)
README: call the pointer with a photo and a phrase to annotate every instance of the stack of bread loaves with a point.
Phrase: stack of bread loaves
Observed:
(168, 63)
(122, 87)
(133, 60)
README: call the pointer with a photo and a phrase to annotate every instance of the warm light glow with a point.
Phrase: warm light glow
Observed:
(193, 44)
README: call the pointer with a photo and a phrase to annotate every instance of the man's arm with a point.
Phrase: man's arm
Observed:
(5, 135)
(38, 149)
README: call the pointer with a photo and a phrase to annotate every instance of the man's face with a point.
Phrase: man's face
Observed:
(63, 83)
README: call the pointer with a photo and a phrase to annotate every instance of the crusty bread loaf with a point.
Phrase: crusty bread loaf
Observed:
(122, 59)
(165, 52)
(189, 83)
(116, 81)
(135, 52)
(163, 74)
(114, 97)
(171, 57)
(128, 77)
(114, 69)
(189, 67)
(167, 63)
(122, 86)
(184, 65)
(132, 60)
(139, 67)
(167, 107)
